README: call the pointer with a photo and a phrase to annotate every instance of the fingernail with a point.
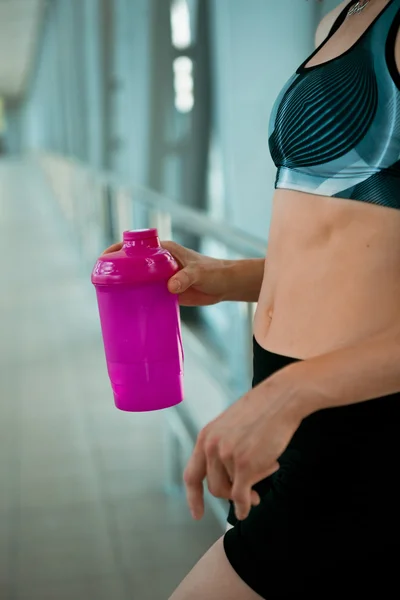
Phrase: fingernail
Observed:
(175, 285)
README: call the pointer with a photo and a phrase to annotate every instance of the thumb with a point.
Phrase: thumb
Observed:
(182, 280)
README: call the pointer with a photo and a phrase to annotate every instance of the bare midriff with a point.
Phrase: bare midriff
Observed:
(332, 274)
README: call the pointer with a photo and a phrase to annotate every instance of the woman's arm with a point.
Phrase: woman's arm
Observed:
(366, 370)
(243, 279)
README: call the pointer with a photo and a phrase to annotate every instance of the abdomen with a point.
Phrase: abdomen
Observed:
(332, 274)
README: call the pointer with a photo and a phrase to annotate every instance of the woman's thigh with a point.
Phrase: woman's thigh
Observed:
(214, 578)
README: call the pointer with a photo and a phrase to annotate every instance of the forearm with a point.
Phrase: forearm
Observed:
(366, 370)
(243, 279)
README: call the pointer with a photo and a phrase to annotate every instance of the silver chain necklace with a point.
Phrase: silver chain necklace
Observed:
(358, 7)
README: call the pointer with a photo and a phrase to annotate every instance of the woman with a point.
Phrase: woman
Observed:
(309, 456)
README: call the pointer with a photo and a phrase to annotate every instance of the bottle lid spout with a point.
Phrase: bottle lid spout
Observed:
(139, 234)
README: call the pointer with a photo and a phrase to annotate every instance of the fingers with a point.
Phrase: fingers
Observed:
(229, 475)
(218, 478)
(173, 248)
(243, 496)
(194, 475)
(255, 498)
(178, 252)
(220, 486)
(113, 248)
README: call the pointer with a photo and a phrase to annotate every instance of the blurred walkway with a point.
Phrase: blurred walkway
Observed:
(83, 514)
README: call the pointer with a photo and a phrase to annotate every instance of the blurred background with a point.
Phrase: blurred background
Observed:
(121, 114)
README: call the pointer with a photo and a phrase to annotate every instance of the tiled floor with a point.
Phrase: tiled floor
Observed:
(83, 511)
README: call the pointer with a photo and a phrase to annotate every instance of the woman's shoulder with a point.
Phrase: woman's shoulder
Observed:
(327, 22)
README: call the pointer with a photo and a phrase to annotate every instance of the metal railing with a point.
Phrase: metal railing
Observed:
(98, 206)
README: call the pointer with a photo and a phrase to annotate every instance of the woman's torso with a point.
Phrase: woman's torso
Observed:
(332, 275)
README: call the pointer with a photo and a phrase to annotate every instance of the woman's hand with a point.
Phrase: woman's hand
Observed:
(242, 446)
(201, 280)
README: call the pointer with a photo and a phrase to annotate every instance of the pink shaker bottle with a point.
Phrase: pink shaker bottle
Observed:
(140, 323)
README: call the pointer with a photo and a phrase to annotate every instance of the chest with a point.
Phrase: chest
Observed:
(354, 29)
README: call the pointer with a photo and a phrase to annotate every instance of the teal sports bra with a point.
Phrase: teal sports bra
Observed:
(335, 127)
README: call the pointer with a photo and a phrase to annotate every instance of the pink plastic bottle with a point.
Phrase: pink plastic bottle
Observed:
(140, 323)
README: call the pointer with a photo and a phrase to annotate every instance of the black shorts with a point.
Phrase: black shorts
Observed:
(328, 524)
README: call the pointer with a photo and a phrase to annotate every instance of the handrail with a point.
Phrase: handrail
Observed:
(198, 222)
(194, 220)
